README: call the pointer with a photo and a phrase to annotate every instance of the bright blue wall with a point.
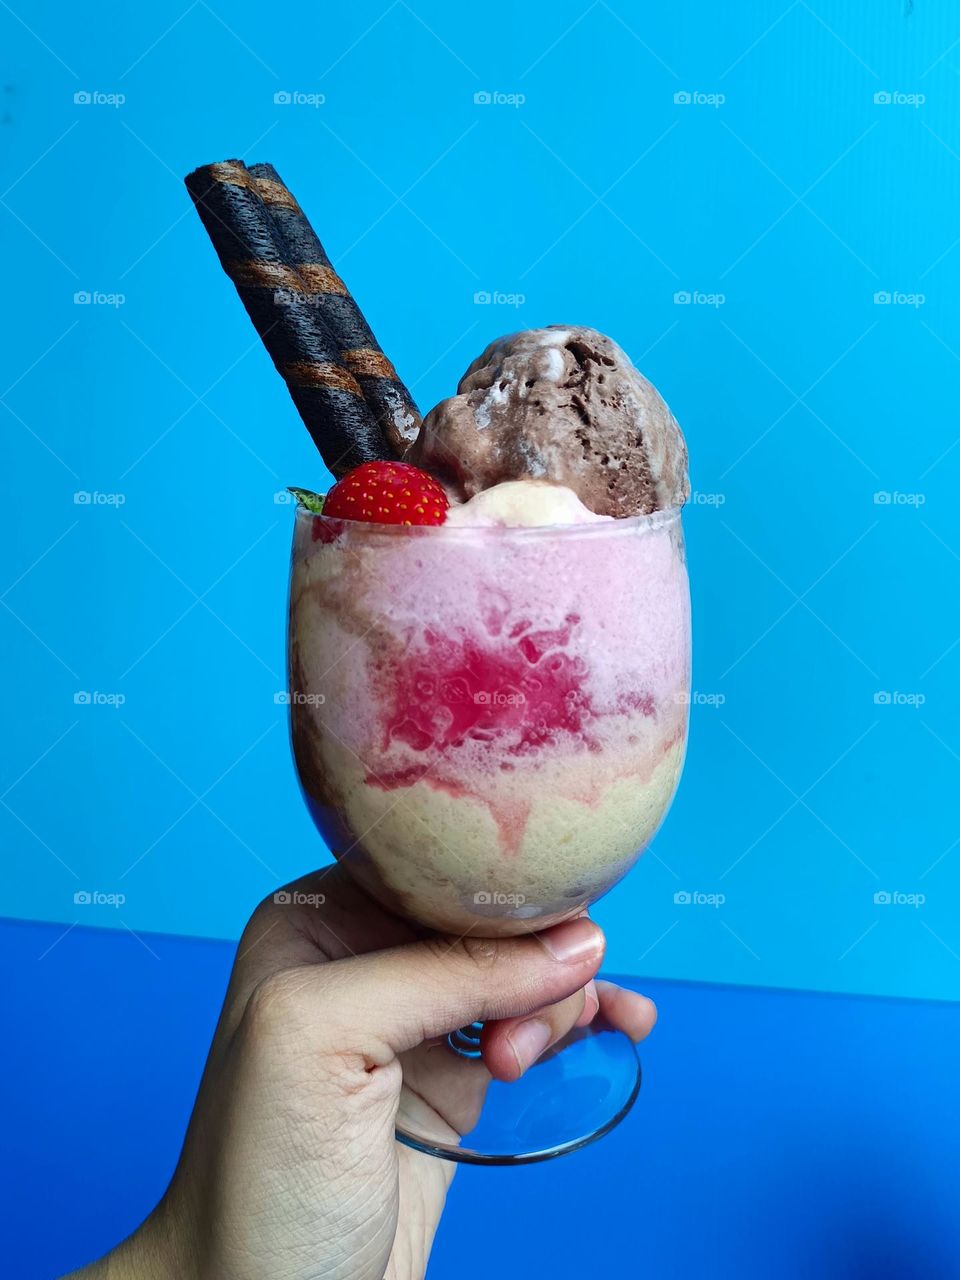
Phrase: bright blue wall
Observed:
(799, 198)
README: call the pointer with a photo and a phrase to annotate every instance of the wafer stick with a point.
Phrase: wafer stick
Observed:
(389, 399)
(303, 349)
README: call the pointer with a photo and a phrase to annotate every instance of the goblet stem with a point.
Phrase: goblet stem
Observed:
(465, 1043)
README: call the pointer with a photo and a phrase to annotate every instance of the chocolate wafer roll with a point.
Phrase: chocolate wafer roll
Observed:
(302, 347)
(388, 398)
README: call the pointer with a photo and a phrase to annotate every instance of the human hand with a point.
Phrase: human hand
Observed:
(333, 1023)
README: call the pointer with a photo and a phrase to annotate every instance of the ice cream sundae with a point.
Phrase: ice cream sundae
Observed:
(489, 620)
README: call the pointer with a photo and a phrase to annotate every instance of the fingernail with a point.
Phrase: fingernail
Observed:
(591, 1000)
(528, 1041)
(591, 1005)
(575, 940)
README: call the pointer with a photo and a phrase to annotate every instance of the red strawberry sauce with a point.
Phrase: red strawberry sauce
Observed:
(517, 690)
(523, 686)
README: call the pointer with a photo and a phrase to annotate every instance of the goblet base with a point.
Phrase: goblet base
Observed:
(572, 1096)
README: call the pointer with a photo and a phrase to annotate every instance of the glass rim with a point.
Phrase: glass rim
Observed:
(360, 530)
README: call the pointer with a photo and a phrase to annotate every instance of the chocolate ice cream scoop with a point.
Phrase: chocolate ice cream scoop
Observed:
(559, 404)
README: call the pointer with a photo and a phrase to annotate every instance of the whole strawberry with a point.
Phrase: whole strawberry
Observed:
(387, 493)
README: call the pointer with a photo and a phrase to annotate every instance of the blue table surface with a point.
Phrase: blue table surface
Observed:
(778, 1134)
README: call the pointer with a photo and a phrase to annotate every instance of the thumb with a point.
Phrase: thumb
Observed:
(386, 1002)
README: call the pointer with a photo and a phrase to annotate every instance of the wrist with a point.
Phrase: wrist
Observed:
(153, 1252)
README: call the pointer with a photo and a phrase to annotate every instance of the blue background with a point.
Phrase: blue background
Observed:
(599, 199)
(777, 1134)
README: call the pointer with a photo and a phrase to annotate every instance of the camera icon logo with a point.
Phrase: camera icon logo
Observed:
(882, 898)
(682, 298)
(82, 898)
(482, 898)
(882, 298)
(482, 98)
(281, 699)
(482, 698)
(81, 698)
(482, 298)
(682, 898)
(282, 98)
(282, 898)
(683, 98)
(82, 298)
(881, 698)
(82, 98)
(882, 98)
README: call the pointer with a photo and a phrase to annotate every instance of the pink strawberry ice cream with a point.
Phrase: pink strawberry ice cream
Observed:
(488, 719)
